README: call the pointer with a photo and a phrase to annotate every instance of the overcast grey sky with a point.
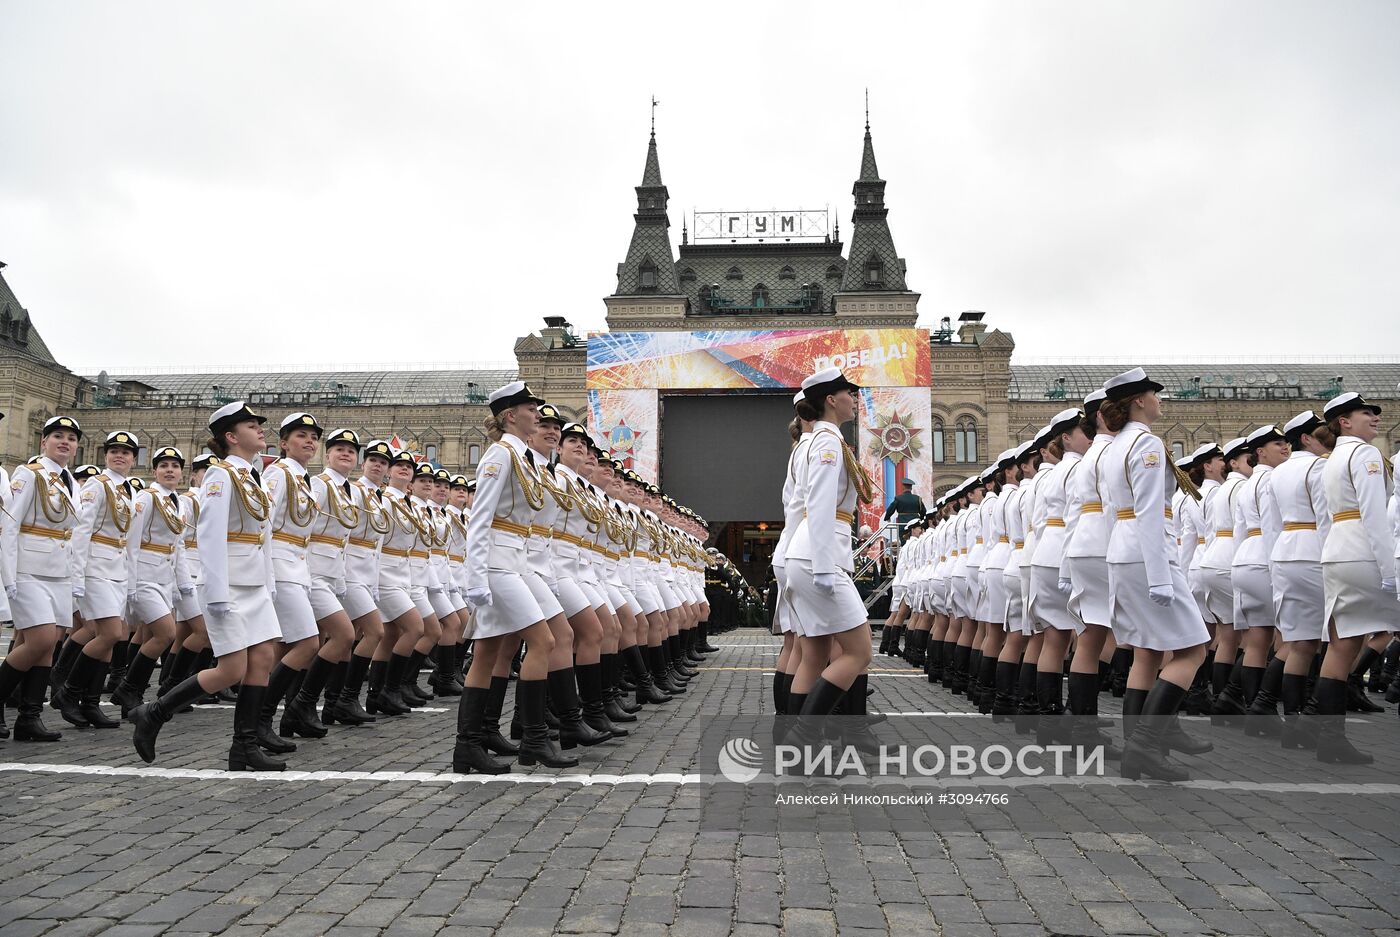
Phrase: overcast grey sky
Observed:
(345, 181)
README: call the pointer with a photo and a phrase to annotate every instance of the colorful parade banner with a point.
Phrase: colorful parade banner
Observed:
(894, 439)
(756, 359)
(624, 424)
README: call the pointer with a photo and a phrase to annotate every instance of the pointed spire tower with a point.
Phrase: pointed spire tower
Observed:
(650, 268)
(872, 264)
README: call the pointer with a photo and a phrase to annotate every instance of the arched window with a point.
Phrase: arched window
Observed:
(431, 453)
(787, 273)
(1178, 450)
(473, 454)
(833, 272)
(687, 275)
(965, 440)
(646, 276)
(760, 296)
(733, 274)
(874, 271)
(937, 441)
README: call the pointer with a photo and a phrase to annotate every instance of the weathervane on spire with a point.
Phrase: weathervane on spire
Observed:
(867, 113)
(654, 102)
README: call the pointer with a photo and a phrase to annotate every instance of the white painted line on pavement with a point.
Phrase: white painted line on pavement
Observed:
(612, 780)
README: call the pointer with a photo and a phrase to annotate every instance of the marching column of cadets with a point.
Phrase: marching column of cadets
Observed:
(1252, 581)
(326, 595)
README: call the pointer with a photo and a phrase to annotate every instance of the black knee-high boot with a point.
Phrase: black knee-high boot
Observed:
(67, 657)
(564, 696)
(350, 696)
(1143, 753)
(469, 752)
(592, 700)
(179, 668)
(31, 685)
(986, 679)
(1299, 728)
(1357, 700)
(782, 682)
(1027, 705)
(1333, 747)
(491, 738)
(1262, 719)
(536, 747)
(1050, 729)
(1003, 701)
(615, 705)
(299, 716)
(278, 683)
(246, 752)
(149, 717)
(647, 690)
(130, 691)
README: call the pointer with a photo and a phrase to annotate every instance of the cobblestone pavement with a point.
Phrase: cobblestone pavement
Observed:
(377, 837)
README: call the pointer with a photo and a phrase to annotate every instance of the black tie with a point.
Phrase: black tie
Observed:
(67, 480)
(256, 476)
(126, 487)
(175, 500)
(345, 486)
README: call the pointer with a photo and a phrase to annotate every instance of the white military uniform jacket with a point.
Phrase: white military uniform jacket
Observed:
(823, 536)
(36, 538)
(1256, 524)
(335, 499)
(156, 540)
(1051, 518)
(1089, 506)
(104, 518)
(362, 543)
(794, 498)
(1219, 508)
(234, 545)
(1358, 486)
(293, 518)
(501, 514)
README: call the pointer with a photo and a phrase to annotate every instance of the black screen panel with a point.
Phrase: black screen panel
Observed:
(725, 454)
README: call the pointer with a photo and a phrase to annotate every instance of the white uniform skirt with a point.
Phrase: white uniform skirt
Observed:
(1355, 601)
(1198, 591)
(544, 596)
(1089, 599)
(324, 602)
(442, 604)
(957, 596)
(1013, 615)
(102, 598)
(1254, 597)
(646, 594)
(513, 607)
(251, 619)
(1220, 595)
(294, 614)
(1299, 600)
(1139, 622)
(621, 597)
(782, 614)
(991, 605)
(897, 593)
(572, 597)
(419, 595)
(152, 601)
(41, 600)
(1049, 608)
(357, 601)
(394, 602)
(816, 613)
(187, 607)
(669, 599)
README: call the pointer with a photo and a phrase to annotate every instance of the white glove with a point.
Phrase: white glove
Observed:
(478, 597)
(825, 582)
(1065, 585)
(79, 591)
(1161, 595)
(374, 593)
(187, 589)
(219, 609)
(11, 591)
(435, 590)
(1388, 585)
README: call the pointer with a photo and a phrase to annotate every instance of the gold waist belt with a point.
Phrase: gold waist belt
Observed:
(362, 543)
(510, 527)
(1055, 521)
(328, 540)
(107, 541)
(390, 551)
(34, 530)
(1091, 507)
(1224, 533)
(244, 538)
(1299, 525)
(1340, 516)
(292, 539)
(418, 554)
(163, 548)
(1253, 532)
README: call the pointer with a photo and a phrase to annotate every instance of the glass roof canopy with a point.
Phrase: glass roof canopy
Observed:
(326, 388)
(1215, 380)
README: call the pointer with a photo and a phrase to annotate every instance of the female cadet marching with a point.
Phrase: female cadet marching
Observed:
(444, 679)
(362, 582)
(794, 504)
(236, 592)
(824, 599)
(338, 515)
(100, 578)
(1151, 607)
(1256, 531)
(293, 515)
(1358, 563)
(1295, 566)
(507, 497)
(155, 552)
(191, 640)
(1216, 566)
(36, 565)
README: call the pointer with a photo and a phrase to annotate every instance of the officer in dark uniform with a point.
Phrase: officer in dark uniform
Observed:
(906, 505)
